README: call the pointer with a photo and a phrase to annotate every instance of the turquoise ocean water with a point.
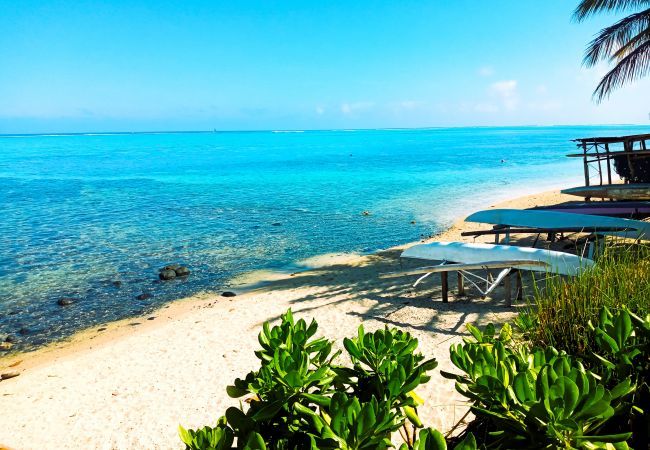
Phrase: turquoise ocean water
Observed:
(79, 212)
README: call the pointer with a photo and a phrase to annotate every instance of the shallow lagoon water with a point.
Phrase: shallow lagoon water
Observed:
(81, 212)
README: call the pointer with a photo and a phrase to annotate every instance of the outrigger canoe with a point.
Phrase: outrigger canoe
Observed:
(466, 258)
(624, 209)
(548, 220)
(498, 256)
(639, 191)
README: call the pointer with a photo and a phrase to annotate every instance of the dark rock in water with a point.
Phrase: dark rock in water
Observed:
(11, 338)
(182, 271)
(144, 296)
(65, 301)
(117, 283)
(170, 267)
(167, 274)
(276, 224)
(228, 294)
(14, 312)
(24, 331)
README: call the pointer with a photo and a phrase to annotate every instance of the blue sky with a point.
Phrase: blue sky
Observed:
(89, 65)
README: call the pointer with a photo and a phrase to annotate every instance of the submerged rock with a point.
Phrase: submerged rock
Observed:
(182, 271)
(144, 296)
(228, 294)
(167, 274)
(117, 283)
(171, 267)
(65, 301)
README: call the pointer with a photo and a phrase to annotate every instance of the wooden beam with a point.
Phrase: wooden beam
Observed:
(461, 286)
(533, 230)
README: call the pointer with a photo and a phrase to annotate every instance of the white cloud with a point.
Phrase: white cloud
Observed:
(350, 109)
(506, 92)
(486, 71)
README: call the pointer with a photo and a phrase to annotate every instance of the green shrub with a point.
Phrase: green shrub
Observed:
(623, 352)
(524, 396)
(562, 308)
(537, 398)
(299, 398)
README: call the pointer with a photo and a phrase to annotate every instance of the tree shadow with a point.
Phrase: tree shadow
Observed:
(355, 287)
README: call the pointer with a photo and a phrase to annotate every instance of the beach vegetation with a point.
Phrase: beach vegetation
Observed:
(533, 397)
(571, 371)
(301, 397)
(562, 308)
(626, 43)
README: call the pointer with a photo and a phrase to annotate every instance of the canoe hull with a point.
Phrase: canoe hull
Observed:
(612, 191)
(552, 219)
(614, 209)
(471, 253)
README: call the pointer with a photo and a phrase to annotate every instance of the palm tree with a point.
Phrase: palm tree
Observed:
(626, 43)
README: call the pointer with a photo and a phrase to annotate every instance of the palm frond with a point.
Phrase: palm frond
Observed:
(631, 45)
(611, 39)
(588, 8)
(632, 67)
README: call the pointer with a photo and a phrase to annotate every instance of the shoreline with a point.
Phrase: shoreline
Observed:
(243, 284)
(182, 360)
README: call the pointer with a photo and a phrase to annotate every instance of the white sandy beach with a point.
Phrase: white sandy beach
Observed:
(131, 385)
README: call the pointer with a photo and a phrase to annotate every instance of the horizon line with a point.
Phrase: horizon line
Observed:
(291, 130)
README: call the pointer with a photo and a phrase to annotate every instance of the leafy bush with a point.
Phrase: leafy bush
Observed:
(537, 398)
(623, 341)
(299, 398)
(524, 396)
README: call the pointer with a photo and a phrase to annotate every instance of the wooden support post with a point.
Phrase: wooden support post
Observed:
(609, 165)
(520, 286)
(461, 287)
(600, 166)
(444, 278)
(507, 288)
(586, 164)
